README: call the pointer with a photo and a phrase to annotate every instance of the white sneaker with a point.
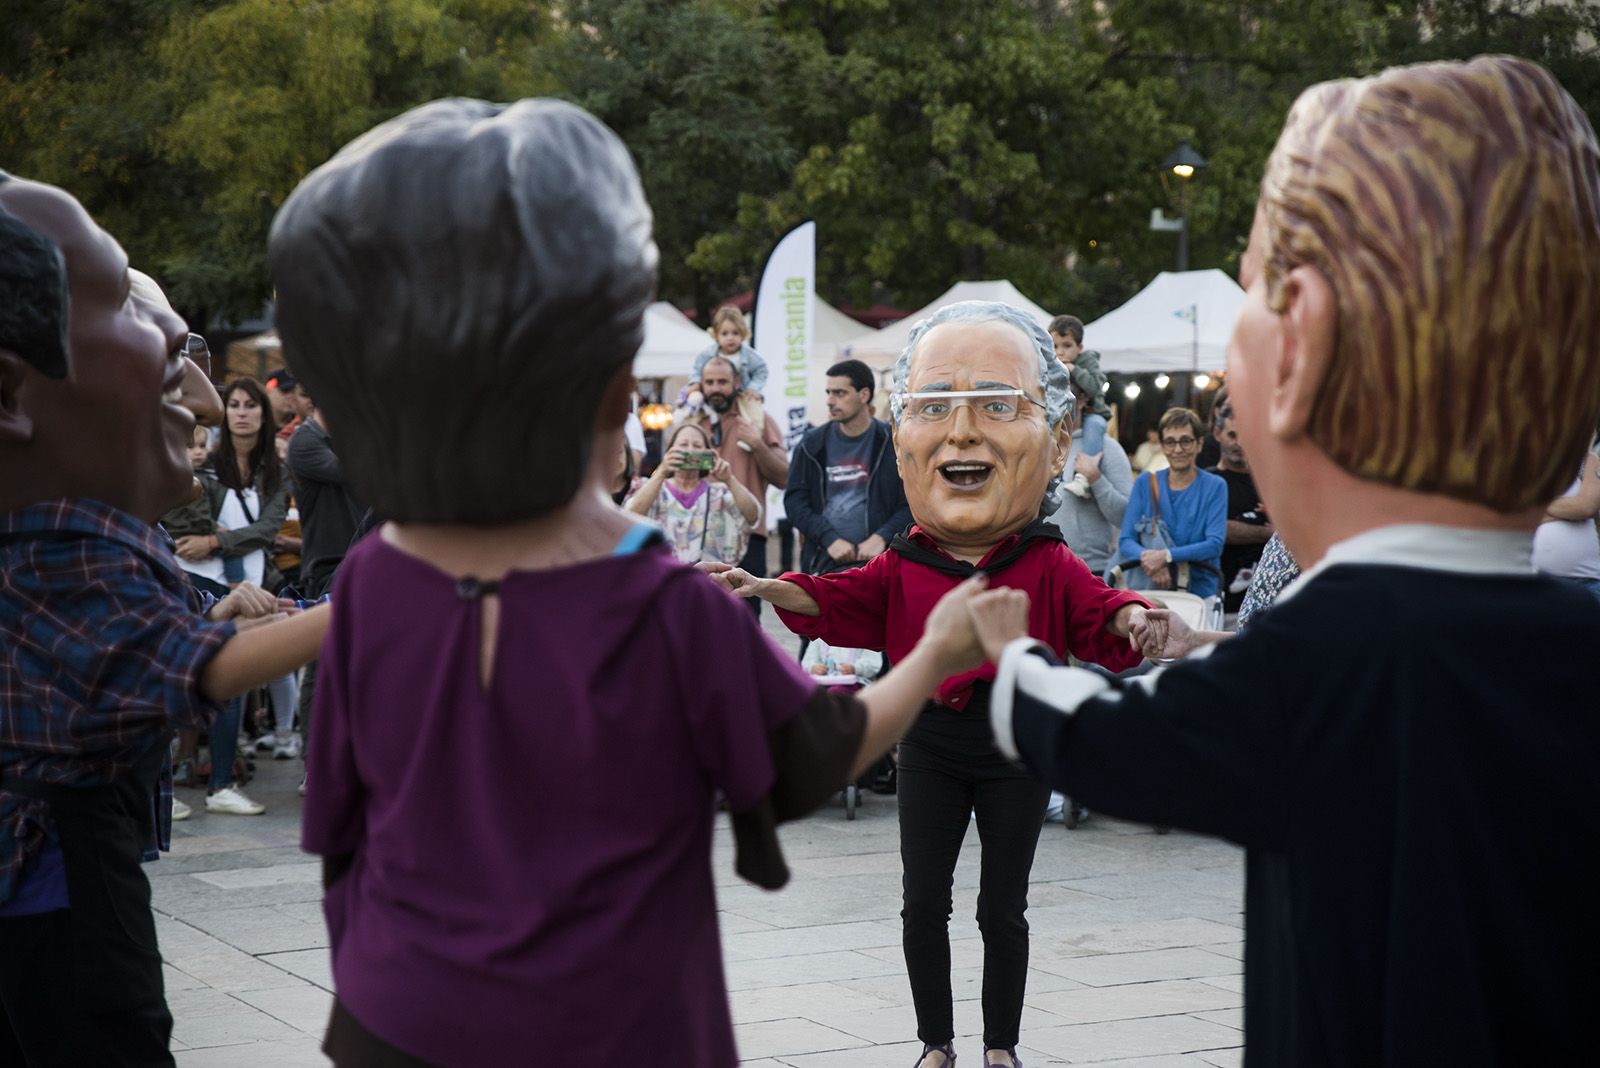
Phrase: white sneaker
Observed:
(230, 801)
(1079, 487)
(180, 811)
(267, 741)
(287, 748)
(1056, 810)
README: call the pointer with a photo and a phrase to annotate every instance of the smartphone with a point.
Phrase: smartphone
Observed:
(699, 460)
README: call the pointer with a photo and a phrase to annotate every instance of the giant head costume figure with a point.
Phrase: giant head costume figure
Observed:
(978, 468)
(1422, 282)
(456, 289)
(91, 364)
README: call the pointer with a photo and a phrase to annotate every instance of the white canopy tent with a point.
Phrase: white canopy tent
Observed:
(671, 342)
(831, 329)
(880, 348)
(1179, 322)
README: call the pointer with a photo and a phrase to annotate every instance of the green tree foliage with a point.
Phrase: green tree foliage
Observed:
(183, 125)
(961, 139)
(695, 89)
(932, 140)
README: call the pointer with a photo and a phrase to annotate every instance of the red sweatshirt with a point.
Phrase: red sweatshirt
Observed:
(884, 605)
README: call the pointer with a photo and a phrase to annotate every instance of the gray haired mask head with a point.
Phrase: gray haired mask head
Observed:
(1053, 375)
(456, 288)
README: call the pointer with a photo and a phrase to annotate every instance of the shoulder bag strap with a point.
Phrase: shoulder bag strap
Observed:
(706, 527)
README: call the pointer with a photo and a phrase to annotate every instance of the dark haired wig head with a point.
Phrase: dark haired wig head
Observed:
(35, 306)
(456, 287)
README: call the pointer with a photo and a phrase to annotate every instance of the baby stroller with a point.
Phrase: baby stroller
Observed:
(843, 669)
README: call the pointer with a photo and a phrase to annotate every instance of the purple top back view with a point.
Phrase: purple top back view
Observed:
(532, 860)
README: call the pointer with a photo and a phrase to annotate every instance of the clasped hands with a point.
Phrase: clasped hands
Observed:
(248, 605)
(1154, 563)
(842, 551)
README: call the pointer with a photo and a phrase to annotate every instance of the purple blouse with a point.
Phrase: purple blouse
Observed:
(532, 861)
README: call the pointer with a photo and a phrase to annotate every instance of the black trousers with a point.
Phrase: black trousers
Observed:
(949, 770)
(755, 562)
(82, 985)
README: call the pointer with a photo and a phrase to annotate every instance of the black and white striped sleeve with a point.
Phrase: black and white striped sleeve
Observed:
(1030, 675)
(1199, 745)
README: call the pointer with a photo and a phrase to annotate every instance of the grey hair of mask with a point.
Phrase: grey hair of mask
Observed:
(1053, 373)
(457, 288)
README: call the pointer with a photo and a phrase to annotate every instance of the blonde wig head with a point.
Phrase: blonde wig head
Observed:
(1454, 209)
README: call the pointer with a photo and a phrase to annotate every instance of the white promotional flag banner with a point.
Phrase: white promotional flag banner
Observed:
(785, 314)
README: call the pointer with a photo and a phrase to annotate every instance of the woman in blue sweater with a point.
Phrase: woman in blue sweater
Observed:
(1193, 509)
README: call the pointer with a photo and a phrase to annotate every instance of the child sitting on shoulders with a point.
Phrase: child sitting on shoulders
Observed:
(732, 333)
(1087, 381)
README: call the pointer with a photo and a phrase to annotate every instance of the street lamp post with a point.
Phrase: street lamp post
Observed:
(1183, 164)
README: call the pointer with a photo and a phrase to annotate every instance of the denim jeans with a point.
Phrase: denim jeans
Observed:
(224, 740)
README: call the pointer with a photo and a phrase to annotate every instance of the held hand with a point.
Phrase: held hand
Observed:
(721, 471)
(1160, 634)
(841, 550)
(1153, 561)
(737, 581)
(1149, 631)
(999, 617)
(873, 546)
(1161, 580)
(949, 634)
(194, 547)
(1088, 466)
(245, 601)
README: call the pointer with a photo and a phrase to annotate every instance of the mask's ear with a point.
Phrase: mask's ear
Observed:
(15, 424)
(1309, 328)
(1061, 437)
(617, 400)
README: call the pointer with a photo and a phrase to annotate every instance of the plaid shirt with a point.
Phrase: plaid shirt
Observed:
(101, 657)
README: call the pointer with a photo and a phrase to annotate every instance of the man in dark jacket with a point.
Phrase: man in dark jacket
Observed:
(844, 490)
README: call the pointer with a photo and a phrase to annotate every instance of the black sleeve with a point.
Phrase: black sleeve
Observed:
(900, 519)
(1200, 745)
(797, 502)
(311, 458)
(812, 755)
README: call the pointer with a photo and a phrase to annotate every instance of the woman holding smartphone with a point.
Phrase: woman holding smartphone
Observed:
(701, 507)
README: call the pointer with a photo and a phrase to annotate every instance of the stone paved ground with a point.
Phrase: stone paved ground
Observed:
(1135, 958)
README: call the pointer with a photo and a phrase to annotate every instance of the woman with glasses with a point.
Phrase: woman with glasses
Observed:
(1177, 516)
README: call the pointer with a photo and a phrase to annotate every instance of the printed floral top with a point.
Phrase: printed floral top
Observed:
(702, 524)
(1275, 570)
